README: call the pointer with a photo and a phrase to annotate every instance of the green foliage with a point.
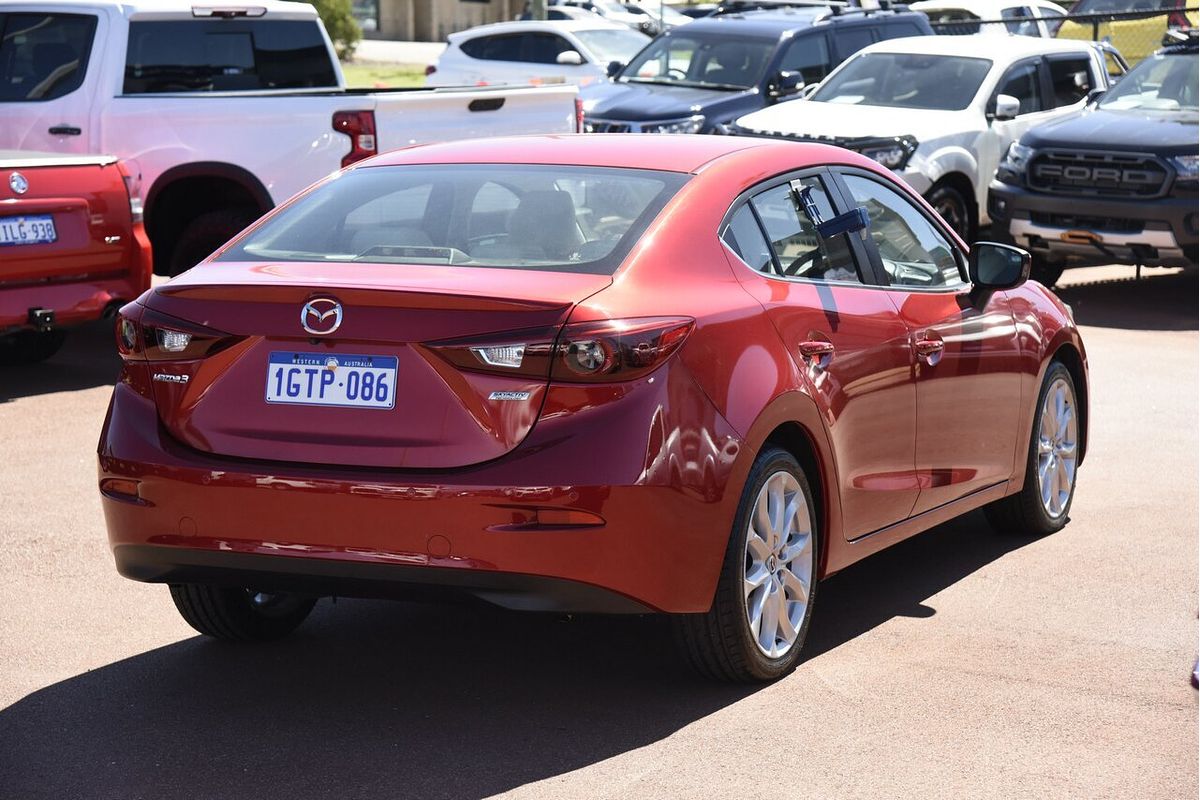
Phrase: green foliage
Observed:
(341, 24)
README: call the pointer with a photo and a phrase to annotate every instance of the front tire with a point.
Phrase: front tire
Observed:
(760, 613)
(1043, 505)
(952, 206)
(240, 615)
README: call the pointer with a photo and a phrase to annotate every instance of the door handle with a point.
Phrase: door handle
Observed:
(930, 350)
(65, 130)
(816, 353)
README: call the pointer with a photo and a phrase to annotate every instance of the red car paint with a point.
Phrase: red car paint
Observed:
(101, 257)
(614, 496)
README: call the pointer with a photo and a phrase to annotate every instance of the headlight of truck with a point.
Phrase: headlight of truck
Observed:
(692, 124)
(893, 154)
(1187, 168)
(1017, 157)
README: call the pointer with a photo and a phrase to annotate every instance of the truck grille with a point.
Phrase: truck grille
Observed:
(610, 126)
(1097, 174)
(1107, 224)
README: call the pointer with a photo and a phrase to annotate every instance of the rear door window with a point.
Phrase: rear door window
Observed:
(543, 48)
(43, 56)
(225, 55)
(851, 40)
(1070, 79)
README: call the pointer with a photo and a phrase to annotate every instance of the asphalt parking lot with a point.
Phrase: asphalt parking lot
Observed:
(958, 664)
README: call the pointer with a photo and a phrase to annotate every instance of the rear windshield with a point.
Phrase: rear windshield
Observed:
(226, 56)
(906, 80)
(557, 218)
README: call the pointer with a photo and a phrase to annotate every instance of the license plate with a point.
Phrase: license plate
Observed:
(27, 230)
(318, 379)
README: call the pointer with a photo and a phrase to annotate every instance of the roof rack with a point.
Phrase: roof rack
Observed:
(844, 9)
(739, 6)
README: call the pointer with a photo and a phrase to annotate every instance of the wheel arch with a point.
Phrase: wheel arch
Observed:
(961, 183)
(187, 190)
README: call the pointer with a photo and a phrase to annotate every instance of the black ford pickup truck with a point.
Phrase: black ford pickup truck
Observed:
(1114, 184)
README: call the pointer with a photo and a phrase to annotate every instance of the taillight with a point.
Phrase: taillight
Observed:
(158, 337)
(578, 115)
(360, 127)
(584, 352)
(133, 188)
(1177, 19)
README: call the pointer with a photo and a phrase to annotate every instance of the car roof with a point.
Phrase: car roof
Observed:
(984, 9)
(129, 8)
(771, 23)
(543, 25)
(998, 48)
(668, 152)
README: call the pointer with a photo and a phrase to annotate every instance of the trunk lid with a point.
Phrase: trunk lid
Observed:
(441, 417)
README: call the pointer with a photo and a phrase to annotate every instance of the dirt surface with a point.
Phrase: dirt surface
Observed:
(957, 664)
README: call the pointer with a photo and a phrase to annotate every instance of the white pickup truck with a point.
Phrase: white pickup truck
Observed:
(222, 111)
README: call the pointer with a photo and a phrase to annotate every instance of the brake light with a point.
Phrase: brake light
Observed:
(158, 337)
(578, 115)
(133, 188)
(360, 127)
(129, 337)
(1177, 19)
(585, 352)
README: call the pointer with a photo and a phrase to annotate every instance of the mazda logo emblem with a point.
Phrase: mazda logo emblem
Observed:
(18, 183)
(321, 316)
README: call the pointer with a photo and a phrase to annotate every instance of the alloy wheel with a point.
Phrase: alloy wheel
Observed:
(778, 564)
(1057, 448)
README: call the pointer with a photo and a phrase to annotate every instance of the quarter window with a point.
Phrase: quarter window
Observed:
(43, 56)
(745, 238)
(913, 251)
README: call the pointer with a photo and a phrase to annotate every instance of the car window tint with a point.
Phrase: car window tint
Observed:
(43, 56)
(808, 55)
(801, 251)
(543, 48)
(913, 251)
(566, 218)
(745, 238)
(852, 40)
(226, 55)
(1071, 79)
(899, 30)
(494, 48)
(1024, 83)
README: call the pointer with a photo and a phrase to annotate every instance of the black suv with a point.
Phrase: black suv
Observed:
(1113, 184)
(698, 77)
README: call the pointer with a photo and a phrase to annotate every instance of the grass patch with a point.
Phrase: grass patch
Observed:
(383, 76)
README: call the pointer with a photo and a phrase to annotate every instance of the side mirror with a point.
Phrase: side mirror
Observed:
(993, 267)
(614, 69)
(569, 58)
(1007, 107)
(786, 84)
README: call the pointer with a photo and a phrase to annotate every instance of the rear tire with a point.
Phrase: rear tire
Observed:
(30, 347)
(240, 615)
(205, 234)
(1053, 455)
(770, 567)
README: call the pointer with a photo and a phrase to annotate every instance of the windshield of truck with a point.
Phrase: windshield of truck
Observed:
(906, 80)
(608, 44)
(1158, 84)
(708, 61)
(226, 55)
(556, 218)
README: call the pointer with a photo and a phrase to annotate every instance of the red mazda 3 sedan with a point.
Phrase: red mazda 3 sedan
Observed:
(688, 375)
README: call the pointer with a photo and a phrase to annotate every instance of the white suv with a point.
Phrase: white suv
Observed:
(941, 110)
(567, 51)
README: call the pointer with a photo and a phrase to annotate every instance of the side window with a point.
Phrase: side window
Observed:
(899, 30)
(808, 55)
(851, 40)
(792, 234)
(1020, 21)
(913, 251)
(1024, 83)
(1071, 79)
(745, 238)
(543, 48)
(43, 56)
(494, 48)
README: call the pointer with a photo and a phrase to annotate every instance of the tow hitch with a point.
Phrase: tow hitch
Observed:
(42, 319)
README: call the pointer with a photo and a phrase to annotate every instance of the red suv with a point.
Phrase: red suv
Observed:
(610, 373)
(72, 247)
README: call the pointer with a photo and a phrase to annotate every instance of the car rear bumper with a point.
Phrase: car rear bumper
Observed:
(73, 302)
(569, 521)
(1078, 231)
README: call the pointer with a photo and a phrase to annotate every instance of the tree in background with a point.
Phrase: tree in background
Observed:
(340, 22)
